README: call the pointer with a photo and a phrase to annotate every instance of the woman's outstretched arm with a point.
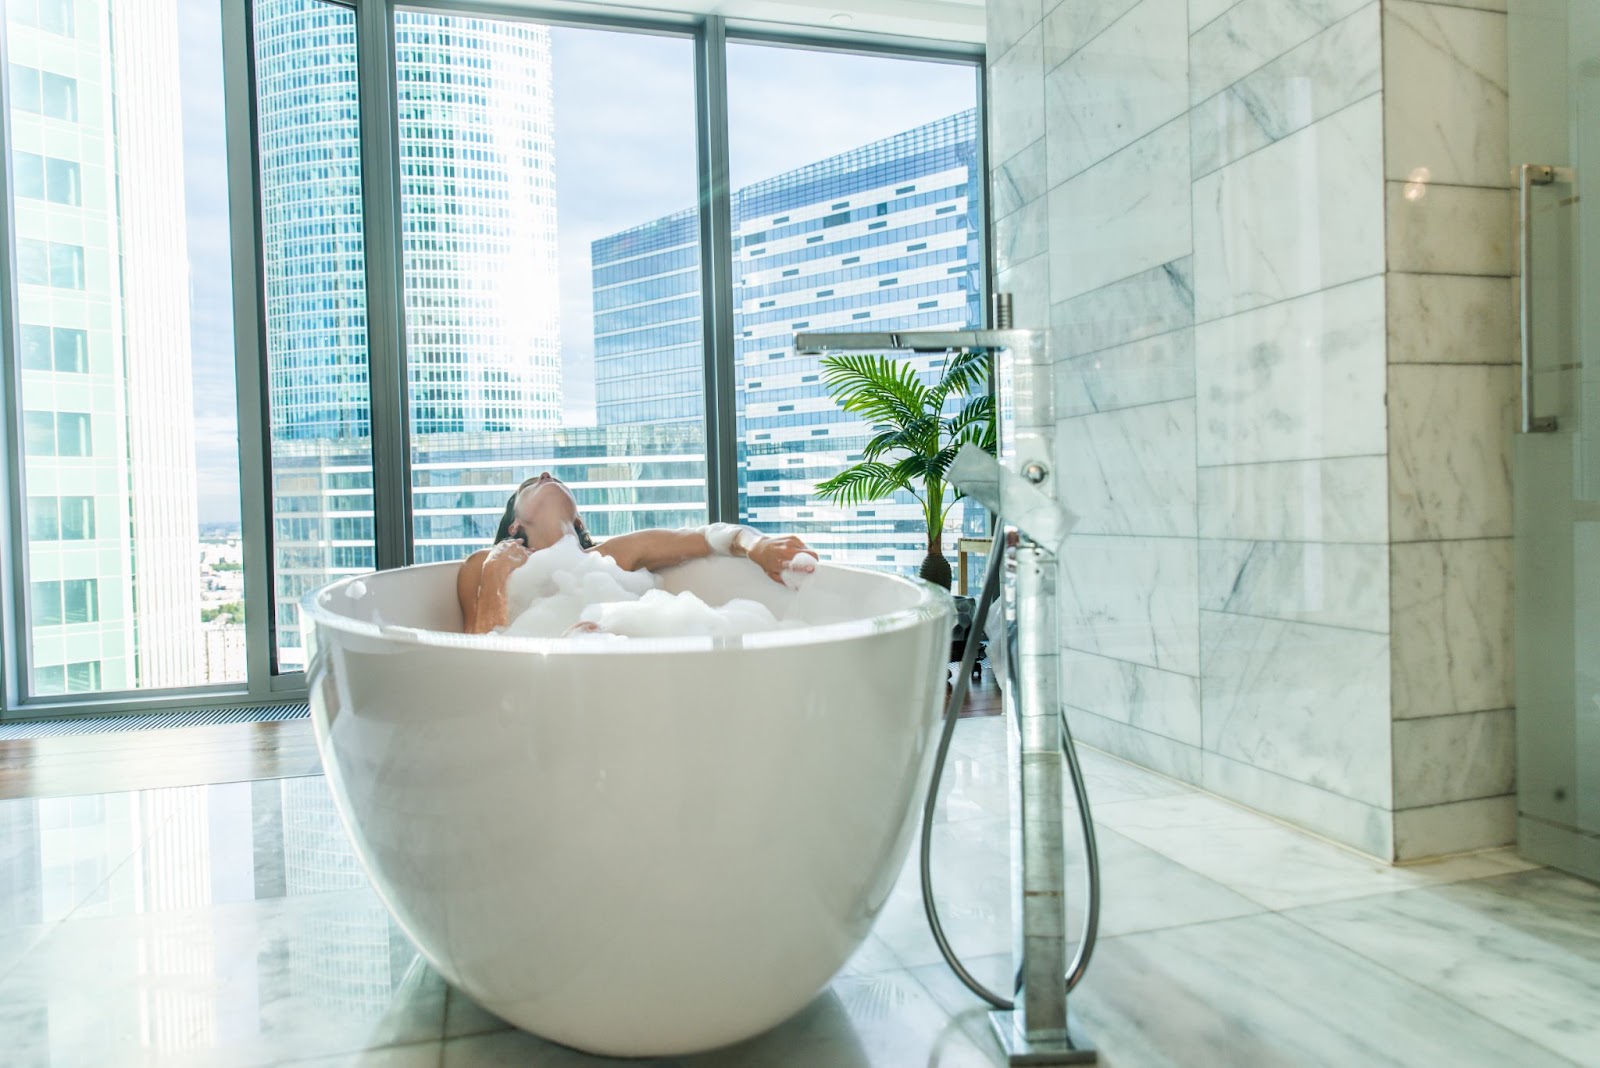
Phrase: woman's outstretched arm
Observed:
(653, 549)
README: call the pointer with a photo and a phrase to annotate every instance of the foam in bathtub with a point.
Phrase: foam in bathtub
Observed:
(563, 586)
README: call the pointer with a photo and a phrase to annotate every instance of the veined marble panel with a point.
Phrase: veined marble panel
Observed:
(1361, 826)
(1252, 34)
(1338, 585)
(1303, 214)
(1447, 318)
(1148, 750)
(1022, 235)
(1450, 432)
(1147, 304)
(1130, 471)
(1521, 951)
(1072, 24)
(1131, 598)
(1155, 369)
(1016, 97)
(1448, 229)
(1006, 21)
(1453, 638)
(1019, 181)
(1333, 70)
(1306, 500)
(1029, 286)
(1123, 216)
(1459, 827)
(1296, 380)
(1454, 758)
(1444, 85)
(1128, 81)
(1161, 702)
(1307, 702)
(1203, 11)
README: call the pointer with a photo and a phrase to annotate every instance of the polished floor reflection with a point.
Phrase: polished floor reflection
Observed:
(231, 925)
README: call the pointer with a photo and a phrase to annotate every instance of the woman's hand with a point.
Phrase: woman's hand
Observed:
(506, 557)
(773, 554)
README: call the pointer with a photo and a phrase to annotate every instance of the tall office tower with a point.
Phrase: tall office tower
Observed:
(478, 219)
(478, 223)
(113, 549)
(885, 237)
(649, 364)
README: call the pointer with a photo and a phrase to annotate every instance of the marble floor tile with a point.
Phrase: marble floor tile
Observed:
(57, 853)
(1141, 890)
(244, 984)
(1271, 864)
(412, 1055)
(1521, 950)
(1264, 992)
(1111, 780)
(972, 881)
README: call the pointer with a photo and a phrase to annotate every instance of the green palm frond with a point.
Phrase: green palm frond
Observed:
(862, 483)
(875, 387)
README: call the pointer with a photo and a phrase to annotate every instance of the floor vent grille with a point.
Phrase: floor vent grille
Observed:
(205, 717)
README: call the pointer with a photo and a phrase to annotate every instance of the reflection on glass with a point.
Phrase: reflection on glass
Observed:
(856, 207)
(550, 324)
(165, 971)
(130, 456)
(316, 307)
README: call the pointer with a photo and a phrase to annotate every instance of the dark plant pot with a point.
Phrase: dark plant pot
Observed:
(936, 569)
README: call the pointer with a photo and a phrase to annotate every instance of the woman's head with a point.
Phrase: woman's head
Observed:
(540, 513)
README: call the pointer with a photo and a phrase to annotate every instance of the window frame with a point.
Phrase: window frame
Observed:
(377, 91)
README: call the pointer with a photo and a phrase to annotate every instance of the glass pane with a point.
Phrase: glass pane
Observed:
(855, 206)
(77, 518)
(551, 274)
(71, 349)
(126, 314)
(72, 434)
(39, 433)
(27, 171)
(36, 348)
(310, 157)
(62, 181)
(46, 604)
(42, 519)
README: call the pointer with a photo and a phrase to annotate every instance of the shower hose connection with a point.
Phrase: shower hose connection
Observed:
(1091, 919)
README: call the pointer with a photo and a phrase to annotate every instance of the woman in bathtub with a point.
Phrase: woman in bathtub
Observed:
(542, 512)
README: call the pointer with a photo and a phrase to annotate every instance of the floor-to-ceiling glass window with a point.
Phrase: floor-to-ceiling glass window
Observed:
(314, 278)
(130, 466)
(551, 273)
(856, 206)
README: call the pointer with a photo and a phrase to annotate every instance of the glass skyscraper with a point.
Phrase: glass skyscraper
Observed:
(478, 192)
(885, 237)
(109, 468)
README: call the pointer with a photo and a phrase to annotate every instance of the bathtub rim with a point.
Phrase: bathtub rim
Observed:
(932, 602)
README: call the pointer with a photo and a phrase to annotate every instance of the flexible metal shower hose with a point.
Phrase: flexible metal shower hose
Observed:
(958, 696)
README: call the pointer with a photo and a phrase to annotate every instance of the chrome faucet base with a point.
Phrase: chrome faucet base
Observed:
(1019, 1050)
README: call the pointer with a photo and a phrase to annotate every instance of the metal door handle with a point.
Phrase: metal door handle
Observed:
(1528, 176)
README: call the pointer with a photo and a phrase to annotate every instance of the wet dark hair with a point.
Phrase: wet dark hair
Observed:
(509, 516)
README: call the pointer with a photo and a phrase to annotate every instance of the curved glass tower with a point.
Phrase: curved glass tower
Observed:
(479, 222)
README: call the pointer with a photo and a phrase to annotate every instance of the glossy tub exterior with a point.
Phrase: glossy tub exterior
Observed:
(640, 846)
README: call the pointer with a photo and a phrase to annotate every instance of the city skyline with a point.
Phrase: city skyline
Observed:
(589, 126)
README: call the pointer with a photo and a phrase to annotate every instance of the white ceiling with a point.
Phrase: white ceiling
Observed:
(957, 22)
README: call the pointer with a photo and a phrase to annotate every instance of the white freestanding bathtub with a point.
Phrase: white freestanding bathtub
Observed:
(632, 846)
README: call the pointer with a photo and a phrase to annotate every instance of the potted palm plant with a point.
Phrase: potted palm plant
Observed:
(914, 437)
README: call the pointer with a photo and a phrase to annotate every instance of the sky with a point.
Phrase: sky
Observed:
(625, 154)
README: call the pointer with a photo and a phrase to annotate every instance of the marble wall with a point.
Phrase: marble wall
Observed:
(1271, 240)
